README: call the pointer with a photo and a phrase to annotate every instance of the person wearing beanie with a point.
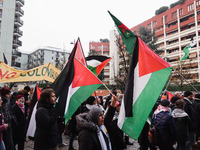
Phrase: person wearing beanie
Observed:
(94, 129)
(189, 109)
(165, 125)
(18, 127)
(8, 116)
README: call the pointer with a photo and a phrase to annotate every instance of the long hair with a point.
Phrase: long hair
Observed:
(46, 94)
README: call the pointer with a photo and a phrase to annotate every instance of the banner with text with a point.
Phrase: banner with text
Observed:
(45, 72)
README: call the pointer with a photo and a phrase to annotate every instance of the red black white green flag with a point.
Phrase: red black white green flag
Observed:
(73, 86)
(96, 63)
(128, 37)
(148, 73)
(31, 120)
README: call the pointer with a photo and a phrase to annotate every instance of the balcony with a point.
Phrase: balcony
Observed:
(17, 43)
(19, 11)
(16, 53)
(21, 2)
(19, 22)
(18, 32)
(16, 64)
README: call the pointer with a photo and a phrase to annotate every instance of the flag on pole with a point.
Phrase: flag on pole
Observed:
(128, 37)
(73, 86)
(4, 58)
(96, 63)
(187, 50)
(147, 76)
(31, 120)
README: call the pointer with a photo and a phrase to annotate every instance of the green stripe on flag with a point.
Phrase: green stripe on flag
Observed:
(79, 97)
(145, 102)
(93, 69)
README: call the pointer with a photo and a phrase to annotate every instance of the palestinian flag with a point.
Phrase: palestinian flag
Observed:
(128, 37)
(147, 76)
(96, 63)
(31, 119)
(79, 53)
(73, 86)
(187, 50)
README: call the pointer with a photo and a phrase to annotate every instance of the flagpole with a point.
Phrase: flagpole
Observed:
(94, 75)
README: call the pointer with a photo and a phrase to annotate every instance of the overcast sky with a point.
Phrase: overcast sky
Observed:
(56, 23)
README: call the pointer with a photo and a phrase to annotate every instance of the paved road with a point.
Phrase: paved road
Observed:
(29, 144)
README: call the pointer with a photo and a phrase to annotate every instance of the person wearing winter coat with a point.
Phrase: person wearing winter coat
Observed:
(92, 134)
(165, 125)
(8, 117)
(189, 109)
(3, 126)
(47, 133)
(18, 127)
(182, 122)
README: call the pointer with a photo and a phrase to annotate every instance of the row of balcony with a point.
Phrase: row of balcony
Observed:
(19, 22)
(17, 43)
(16, 64)
(19, 11)
(20, 1)
(16, 53)
(18, 32)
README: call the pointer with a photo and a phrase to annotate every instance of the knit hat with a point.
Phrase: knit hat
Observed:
(93, 114)
(19, 96)
(165, 102)
(5, 91)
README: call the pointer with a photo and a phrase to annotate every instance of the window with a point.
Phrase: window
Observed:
(154, 23)
(1, 4)
(0, 13)
(166, 18)
(180, 11)
(174, 15)
(190, 7)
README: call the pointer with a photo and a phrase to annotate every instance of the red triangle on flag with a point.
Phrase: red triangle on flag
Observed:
(102, 65)
(170, 95)
(148, 60)
(38, 92)
(83, 76)
(79, 53)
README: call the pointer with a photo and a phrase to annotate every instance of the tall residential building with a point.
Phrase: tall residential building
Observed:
(174, 29)
(43, 55)
(101, 48)
(10, 23)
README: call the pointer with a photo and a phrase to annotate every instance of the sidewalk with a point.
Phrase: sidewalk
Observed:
(30, 144)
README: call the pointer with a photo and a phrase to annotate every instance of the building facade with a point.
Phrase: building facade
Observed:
(174, 29)
(43, 55)
(101, 48)
(10, 33)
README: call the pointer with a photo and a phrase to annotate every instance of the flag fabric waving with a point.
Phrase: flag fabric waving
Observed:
(31, 120)
(147, 76)
(128, 37)
(96, 63)
(73, 86)
(187, 50)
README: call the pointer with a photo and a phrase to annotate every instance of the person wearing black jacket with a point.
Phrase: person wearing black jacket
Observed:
(47, 133)
(189, 109)
(8, 116)
(18, 127)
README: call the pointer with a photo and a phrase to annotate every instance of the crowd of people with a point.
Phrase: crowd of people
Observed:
(94, 123)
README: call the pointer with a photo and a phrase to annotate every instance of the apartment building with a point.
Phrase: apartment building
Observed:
(10, 33)
(174, 29)
(101, 48)
(43, 55)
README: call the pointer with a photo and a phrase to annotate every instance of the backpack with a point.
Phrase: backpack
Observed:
(153, 133)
